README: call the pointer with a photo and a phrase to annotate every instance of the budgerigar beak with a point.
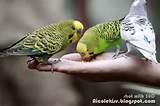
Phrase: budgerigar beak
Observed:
(77, 35)
(80, 32)
(86, 58)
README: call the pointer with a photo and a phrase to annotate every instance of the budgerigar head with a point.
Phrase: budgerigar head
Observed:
(87, 45)
(84, 52)
(73, 29)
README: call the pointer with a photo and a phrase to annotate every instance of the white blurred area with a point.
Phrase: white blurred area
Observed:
(107, 10)
(17, 17)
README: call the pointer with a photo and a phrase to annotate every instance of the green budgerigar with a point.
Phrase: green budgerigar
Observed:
(99, 39)
(46, 41)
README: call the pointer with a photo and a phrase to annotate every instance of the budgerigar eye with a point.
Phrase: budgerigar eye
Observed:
(70, 41)
(70, 36)
(73, 28)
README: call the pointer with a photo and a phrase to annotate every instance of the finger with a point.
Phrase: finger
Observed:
(32, 64)
(39, 66)
(75, 67)
(105, 56)
(69, 66)
(72, 56)
(43, 67)
(64, 66)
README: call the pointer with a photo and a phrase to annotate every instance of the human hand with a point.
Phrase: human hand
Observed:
(103, 68)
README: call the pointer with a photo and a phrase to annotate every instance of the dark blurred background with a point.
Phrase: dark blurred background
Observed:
(20, 86)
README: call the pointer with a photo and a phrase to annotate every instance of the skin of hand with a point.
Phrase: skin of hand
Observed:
(103, 68)
(68, 63)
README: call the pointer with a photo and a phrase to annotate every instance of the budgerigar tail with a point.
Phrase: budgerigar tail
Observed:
(3, 53)
(147, 50)
(9, 51)
(148, 55)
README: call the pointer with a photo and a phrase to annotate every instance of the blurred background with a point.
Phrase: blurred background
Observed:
(20, 86)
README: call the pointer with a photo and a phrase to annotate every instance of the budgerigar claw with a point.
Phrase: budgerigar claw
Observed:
(115, 56)
(52, 62)
(118, 54)
(30, 59)
(150, 61)
(125, 55)
(32, 63)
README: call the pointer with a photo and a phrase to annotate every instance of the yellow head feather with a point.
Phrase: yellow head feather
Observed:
(78, 25)
(81, 48)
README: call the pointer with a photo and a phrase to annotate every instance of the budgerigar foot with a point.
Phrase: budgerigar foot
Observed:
(150, 61)
(125, 55)
(32, 63)
(30, 59)
(117, 54)
(52, 62)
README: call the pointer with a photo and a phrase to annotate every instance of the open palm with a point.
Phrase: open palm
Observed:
(103, 68)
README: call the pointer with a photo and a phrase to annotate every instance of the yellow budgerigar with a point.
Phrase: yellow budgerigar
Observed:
(46, 41)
